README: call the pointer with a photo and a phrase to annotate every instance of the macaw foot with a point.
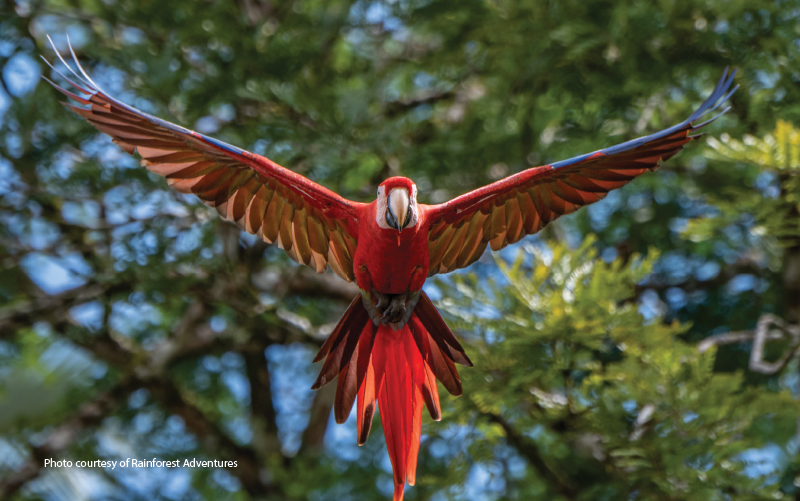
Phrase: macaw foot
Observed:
(376, 309)
(393, 310)
(396, 309)
(383, 301)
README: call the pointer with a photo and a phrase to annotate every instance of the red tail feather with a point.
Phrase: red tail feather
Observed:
(397, 369)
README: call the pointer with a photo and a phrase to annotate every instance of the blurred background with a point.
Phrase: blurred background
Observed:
(614, 351)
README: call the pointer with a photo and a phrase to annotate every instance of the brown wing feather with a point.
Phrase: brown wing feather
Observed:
(524, 203)
(310, 222)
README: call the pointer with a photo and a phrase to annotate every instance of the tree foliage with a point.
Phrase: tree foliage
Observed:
(611, 351)
(610, 406)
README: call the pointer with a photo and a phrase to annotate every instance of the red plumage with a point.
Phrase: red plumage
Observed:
(391, 344)
(395, 370)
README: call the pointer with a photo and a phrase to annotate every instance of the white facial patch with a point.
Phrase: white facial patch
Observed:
(383, 202)
(412, 206)
(380, 213)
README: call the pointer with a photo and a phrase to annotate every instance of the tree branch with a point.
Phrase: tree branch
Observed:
(732, 338)
(314, 434)
(248, 468)
(26, 313)
(757, 362)
(397, 107)
(305, 282)
(262, 412)
(89, 414)
(760, 336)
(151, 373)
(531, 452)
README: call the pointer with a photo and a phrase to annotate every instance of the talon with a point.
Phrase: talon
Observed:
(395, 311)
(392, 316)
(398, 314)
(383, 302)
(374, 311)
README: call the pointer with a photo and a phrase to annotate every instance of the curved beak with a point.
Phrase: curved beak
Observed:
(398, 206)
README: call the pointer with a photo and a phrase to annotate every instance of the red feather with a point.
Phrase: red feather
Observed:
(418, 380)
(439, 331)
(370, 388)
(424, 380)
(396, 370)
(393, 398)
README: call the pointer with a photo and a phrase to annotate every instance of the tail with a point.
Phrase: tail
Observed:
(398, 370)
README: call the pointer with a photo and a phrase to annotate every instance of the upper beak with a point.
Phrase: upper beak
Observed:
(398, 204)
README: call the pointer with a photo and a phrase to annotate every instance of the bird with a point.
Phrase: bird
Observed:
(391, 345)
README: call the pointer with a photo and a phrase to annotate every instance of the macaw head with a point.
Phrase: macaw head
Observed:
(397, 204)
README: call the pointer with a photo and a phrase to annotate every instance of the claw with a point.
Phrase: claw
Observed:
(392, 316)
(375, 311)
(393, 310)
(396, 310)
(383, 301)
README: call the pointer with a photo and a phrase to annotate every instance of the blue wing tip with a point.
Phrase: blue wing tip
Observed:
(721, 93)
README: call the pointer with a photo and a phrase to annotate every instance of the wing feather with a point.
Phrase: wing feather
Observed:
(525, 203)
(257, 194)
(472, 240)
(300, 236)
(285, 240)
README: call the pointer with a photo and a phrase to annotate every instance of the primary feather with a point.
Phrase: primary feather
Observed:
(311, 223)
(506, 211)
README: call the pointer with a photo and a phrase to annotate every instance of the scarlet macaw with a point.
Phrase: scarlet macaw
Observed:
(391, 345)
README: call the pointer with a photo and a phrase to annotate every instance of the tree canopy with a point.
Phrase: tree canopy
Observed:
(642, 348)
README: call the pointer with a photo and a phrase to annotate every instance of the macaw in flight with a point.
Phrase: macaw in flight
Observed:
(391, 345)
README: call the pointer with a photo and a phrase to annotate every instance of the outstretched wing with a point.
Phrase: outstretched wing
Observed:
(308, 221)
(503, 212)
